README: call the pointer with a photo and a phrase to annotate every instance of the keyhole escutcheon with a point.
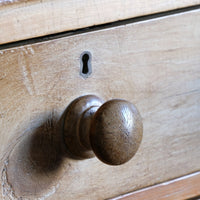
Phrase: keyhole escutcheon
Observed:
(85, 64)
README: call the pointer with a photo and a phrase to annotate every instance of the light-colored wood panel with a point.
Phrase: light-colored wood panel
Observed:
(154, 64)
(20, 19)
(181, 188)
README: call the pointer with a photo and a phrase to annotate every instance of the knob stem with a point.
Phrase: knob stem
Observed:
(85, 125)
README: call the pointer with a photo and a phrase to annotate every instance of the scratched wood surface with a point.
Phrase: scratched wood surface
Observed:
(23, 19)
(185, 187)
(154, 64)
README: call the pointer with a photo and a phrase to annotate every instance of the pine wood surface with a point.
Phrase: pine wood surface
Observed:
(154, 64)
(25, 19)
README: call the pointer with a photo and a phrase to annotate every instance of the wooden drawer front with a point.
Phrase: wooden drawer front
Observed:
(155, 64)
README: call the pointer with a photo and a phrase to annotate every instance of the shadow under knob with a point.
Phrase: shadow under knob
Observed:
(112, 130)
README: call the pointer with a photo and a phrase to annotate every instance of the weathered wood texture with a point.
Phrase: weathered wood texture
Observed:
(22, 19)
(181, 188)
(154, 64)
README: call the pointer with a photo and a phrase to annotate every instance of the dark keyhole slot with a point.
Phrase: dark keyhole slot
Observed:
(85, 67)
(85, 59)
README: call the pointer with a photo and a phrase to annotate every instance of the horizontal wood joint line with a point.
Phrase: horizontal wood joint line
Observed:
(180, 188)
(97, 27)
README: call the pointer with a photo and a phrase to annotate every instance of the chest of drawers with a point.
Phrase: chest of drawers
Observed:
(152, 61)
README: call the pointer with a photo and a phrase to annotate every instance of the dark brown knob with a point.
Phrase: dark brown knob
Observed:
(113, 130)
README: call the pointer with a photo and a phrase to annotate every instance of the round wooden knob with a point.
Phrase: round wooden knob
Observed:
(112, 130)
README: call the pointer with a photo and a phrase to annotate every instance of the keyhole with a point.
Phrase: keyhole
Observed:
(85, 59)
(85, 70)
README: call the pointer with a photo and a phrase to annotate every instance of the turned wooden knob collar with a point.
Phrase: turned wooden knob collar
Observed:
(112, 131)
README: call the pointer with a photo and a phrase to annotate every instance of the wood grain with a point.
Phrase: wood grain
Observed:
(22, 19)
(153, 64)
(181, 188)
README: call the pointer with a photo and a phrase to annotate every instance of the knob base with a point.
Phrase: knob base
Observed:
(76, 137)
